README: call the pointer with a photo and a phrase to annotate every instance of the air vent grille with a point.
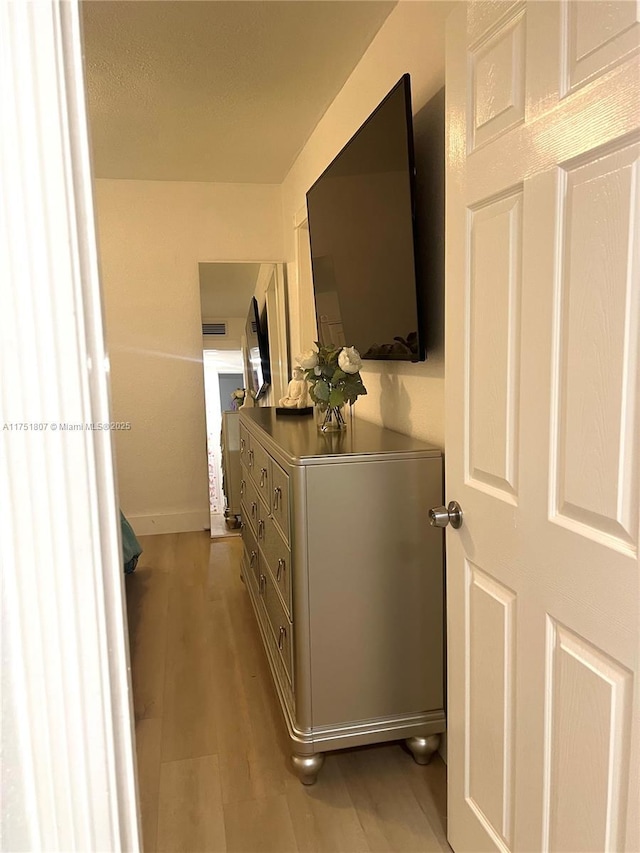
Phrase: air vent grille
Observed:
(214, 329)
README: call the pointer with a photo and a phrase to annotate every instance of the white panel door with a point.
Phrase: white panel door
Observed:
(543, 425)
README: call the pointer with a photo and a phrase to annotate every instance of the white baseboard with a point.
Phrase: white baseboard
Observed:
(173, 522)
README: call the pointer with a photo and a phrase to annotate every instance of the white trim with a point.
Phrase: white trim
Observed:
(71, 757)
(307, 327)
(258, 262)
(276, 299)
(300, 217)
(170, 522)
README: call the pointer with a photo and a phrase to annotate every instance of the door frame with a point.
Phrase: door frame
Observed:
(68, 737)
(275, 296)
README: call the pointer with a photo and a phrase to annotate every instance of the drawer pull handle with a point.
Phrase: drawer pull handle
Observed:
(282, 634)
(242, 488)
(281, 565)
(251, 459)
(262, 584)
(242, 445)
(253, 559)
(277, 494)
(254, 509)
(261, 529)
(263, 477)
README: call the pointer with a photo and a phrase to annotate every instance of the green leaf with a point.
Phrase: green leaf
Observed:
(336, 397)
(352, 387)
(337, 376)
(350, 381)
(322, 391)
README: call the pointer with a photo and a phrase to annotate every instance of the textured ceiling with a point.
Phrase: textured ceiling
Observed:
(226, 289)
(215, 90)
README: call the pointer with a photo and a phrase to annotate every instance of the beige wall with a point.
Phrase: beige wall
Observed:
(405, 397)
(152, 234)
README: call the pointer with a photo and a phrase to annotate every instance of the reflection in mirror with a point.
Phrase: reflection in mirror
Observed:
(258, 363)
(244, 326)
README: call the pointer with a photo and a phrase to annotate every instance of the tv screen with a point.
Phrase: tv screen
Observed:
(361, 227)
(257, 352)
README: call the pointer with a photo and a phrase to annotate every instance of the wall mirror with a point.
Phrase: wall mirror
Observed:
(235, 296)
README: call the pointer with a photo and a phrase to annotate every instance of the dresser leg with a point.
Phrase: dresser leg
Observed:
(422, 748)
(307, 767)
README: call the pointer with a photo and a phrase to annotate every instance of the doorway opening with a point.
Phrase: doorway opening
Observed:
(222, 377)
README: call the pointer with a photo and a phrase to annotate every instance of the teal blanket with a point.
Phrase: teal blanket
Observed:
(131, 548)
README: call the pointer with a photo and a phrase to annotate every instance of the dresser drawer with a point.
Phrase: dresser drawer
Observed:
(261, 470)
(250, 501)
(276, 554)
(279, 625)
(250, 454)
(244, 476)
(252, 555)
(280, 498)
(244, 445)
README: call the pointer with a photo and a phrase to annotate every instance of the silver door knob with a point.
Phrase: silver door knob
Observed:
(440, 516)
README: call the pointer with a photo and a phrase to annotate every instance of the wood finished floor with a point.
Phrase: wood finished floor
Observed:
(212, 748)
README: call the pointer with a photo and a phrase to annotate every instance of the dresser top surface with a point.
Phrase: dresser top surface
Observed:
(298, 439)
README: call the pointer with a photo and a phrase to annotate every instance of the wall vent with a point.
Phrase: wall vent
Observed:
(214, 329)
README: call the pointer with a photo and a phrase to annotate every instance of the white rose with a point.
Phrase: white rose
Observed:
(308, 359)
(349, 360)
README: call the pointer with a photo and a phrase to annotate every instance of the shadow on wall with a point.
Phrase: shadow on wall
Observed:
(429, 140)
(395, 402)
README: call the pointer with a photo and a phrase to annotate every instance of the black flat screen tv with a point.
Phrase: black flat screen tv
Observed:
(361, 214)
(257, 361)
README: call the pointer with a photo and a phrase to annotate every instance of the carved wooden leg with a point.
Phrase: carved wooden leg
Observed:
(307, 767)
(422, 748)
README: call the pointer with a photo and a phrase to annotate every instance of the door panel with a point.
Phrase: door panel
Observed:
(596, 429)
(587, 703)
(495, 274)
(596, 35)
(497, 81)
(490, 702)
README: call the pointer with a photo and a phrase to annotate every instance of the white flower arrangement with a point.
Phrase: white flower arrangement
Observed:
(333, 374)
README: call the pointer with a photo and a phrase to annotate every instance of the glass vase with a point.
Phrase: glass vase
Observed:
(331, 419)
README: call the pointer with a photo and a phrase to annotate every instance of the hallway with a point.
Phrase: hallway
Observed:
(211, 743)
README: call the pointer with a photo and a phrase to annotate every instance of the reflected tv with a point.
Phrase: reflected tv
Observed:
(257, 362)
(361, 214)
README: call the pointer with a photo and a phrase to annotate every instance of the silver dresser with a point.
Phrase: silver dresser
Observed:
(345, 576)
